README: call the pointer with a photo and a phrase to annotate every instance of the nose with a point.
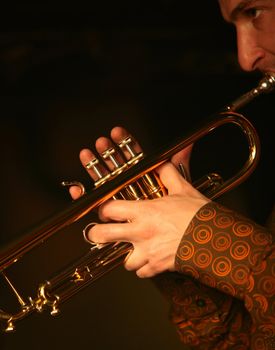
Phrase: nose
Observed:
(250, 52)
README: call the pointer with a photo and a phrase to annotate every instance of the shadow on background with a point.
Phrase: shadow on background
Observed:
(70, 75)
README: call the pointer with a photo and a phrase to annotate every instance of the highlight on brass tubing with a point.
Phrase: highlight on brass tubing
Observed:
(265, 85)
(133, 180)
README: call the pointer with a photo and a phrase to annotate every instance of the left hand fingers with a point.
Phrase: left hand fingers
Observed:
(182, 156)
(145, 272)
(135, 260)
(118, 210)
(172, 179)
(111, 232)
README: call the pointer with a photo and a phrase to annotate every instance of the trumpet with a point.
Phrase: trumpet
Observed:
(133, 180)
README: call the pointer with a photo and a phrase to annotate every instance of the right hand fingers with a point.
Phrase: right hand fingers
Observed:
(87, 156)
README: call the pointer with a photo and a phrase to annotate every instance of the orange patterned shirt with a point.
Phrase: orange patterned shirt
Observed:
(223, 295)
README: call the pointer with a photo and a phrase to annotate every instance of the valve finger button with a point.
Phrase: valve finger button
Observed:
(125, 144)
(118, 167)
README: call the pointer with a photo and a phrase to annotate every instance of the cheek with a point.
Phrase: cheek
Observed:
(269, 23)
(269, 42)
(272, 46)
(272, 36)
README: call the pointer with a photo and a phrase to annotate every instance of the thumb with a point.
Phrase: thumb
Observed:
(171, 178)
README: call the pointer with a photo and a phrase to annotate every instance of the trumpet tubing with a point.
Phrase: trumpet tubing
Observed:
(133, 180)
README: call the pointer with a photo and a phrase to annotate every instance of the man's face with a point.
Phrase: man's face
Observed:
(255, 25)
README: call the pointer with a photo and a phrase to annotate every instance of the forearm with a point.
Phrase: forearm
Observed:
(205, 318)
(232, 254)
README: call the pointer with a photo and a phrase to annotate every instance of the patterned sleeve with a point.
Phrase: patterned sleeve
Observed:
(230, 254)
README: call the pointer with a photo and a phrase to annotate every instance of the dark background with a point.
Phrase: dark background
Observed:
(68, 75)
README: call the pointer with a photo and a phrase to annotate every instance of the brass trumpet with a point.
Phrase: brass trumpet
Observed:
(133, 180)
